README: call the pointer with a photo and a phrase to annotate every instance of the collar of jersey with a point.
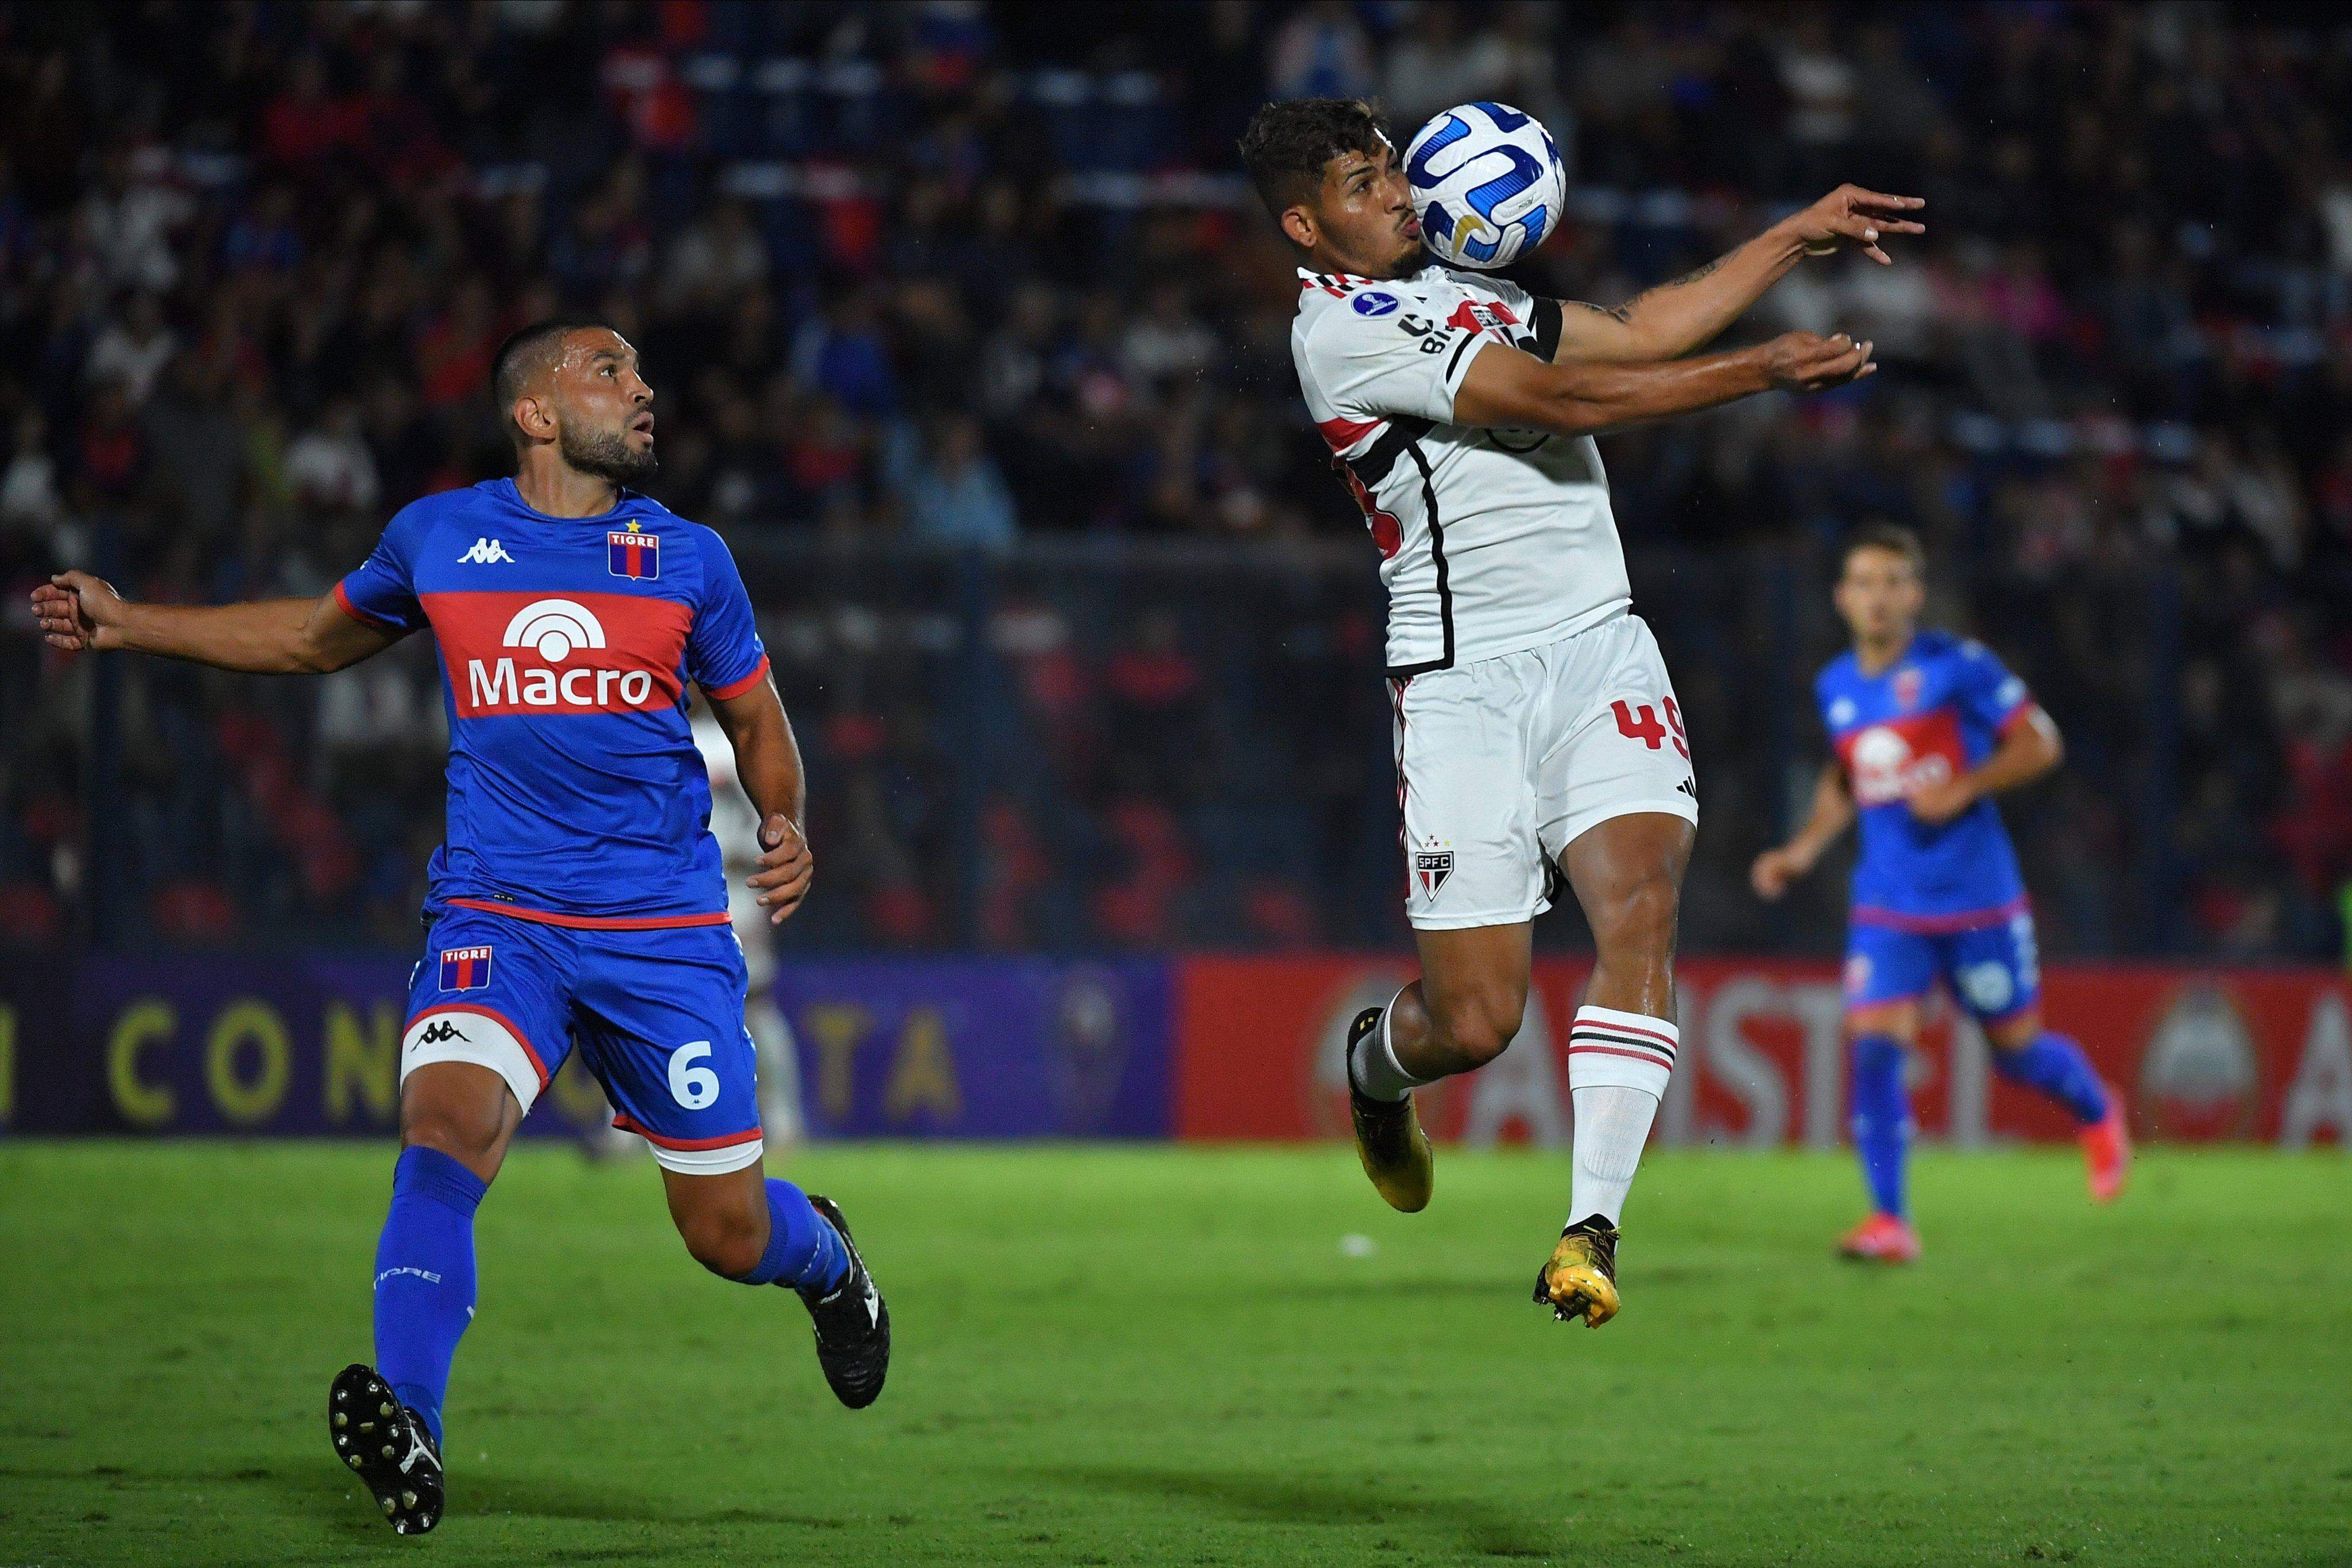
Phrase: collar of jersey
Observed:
(506, 490)
(1893, 664)
(1343, 281)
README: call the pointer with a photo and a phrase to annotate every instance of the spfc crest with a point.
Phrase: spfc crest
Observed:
(1908, 684)
(1433, 867)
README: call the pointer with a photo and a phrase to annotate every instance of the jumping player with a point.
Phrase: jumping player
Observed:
(1928, 729)
(579, 898)
(1537, 732)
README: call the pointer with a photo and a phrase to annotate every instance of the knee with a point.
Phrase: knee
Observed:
(1478, 1024)
(728, 1241)
(1637, 919)
(471, 1134)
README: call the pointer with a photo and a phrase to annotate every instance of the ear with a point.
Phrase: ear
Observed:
(1298, 226)
(535, 416)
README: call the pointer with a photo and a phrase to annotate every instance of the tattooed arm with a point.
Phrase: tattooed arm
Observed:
(1672, 320)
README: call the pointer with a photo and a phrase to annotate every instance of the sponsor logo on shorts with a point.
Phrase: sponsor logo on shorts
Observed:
(1433, 867)
(1987, 985)
(464, 969)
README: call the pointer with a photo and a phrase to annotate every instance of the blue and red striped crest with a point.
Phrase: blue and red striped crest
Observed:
(630, 554)
(464, 969)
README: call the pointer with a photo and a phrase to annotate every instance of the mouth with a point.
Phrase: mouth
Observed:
(642, 425)
(1411, 227)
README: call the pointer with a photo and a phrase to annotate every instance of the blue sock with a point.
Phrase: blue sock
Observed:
(1882, 1119)
(424, 1276)
(2056, 1066)
(804, 1251)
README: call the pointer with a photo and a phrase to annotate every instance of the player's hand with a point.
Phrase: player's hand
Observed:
(786, 867)
(1774, 870)
(76, 610)
(1939, 802)
(1852, 217)
(1805, 361)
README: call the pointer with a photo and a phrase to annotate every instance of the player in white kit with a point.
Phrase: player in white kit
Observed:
(1537, 732)
(736, 825)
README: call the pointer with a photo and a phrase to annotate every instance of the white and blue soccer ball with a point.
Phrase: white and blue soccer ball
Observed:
(1487, 184)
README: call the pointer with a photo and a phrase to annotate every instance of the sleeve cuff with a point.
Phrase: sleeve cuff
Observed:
(343, 600)
(2026, 708)
(738, 687)
(1457, 365)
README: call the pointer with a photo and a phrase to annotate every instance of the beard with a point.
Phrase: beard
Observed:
(606, 455)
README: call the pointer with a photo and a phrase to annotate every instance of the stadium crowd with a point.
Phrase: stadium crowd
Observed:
(969, 339)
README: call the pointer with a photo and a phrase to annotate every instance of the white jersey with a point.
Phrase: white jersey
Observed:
(1492, 541)
(733, 821)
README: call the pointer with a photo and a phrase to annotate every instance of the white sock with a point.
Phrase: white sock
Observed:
(1618, 1064)
(1375, 1071)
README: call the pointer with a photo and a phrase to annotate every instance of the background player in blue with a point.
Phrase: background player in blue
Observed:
(578, 901)
(1928, 729)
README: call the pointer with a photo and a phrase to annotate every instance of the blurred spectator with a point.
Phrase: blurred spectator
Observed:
(951, 490)
(994, 281)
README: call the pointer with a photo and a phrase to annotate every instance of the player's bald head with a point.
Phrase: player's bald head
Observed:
(529, 356)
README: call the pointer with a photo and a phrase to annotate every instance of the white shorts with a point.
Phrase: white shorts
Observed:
(1502, 763)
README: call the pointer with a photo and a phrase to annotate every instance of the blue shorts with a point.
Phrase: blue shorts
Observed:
(659, 1015)
(1992, 970)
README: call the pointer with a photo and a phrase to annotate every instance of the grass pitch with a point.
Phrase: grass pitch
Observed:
(1204, 1357)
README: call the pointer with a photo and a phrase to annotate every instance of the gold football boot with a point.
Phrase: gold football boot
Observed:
(1389, 1138)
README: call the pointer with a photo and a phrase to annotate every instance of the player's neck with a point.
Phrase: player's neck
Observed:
(547, 483)
(1874, 656)
(1322, 260)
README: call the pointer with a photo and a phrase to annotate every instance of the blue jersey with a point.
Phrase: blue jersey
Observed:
(1936, 712)
(576, 795)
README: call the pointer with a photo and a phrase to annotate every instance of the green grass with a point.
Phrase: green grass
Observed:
(1145, 1356)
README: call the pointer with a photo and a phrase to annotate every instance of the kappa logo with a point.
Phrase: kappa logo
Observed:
(440, 1033)
(1432, 866)
(486, 552)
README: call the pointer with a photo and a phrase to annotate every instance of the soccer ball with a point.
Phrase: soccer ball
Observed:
(1487, 182)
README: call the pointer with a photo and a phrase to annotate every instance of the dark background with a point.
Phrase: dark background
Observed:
(969, 340)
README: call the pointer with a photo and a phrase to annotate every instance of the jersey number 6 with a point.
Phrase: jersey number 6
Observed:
(691, 1086)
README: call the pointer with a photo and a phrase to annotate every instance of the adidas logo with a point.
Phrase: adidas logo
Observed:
(486, 552)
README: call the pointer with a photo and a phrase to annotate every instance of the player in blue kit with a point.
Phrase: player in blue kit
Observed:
(579, 900)
(1928, 729)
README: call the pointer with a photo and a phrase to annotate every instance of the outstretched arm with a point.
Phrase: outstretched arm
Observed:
(768, 762)
(1675, 317)
(1832, 813)
(1505, 389)
(270, 636)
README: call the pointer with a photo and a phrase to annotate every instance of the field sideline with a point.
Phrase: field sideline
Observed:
(1161, 1356)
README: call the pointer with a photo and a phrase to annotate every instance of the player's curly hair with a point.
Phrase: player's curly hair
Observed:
(1287, 144)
